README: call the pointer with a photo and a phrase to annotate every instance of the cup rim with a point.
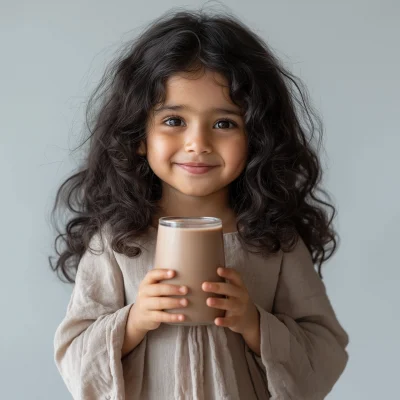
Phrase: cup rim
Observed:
(190, 222)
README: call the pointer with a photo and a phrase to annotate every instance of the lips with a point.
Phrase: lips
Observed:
(197, 168)
(197, 164)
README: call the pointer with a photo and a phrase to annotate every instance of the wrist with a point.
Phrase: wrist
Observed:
(133, 334)
(133, 322)
(251, 334)
(253, 322)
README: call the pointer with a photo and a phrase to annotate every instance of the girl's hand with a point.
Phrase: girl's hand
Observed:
(151, 299)
(241, 314)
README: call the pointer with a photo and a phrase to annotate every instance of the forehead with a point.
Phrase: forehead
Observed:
(206, 88)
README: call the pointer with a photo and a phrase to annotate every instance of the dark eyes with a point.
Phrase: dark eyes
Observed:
(222, 123)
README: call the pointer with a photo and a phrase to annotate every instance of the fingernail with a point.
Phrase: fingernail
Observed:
(182, 289)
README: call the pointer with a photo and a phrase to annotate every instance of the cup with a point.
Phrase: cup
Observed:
(194, 248)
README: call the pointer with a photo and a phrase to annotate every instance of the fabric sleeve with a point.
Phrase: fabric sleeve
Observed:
(88, 342)
(302, 343)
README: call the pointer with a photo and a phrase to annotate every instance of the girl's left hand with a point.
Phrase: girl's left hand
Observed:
(241, 314)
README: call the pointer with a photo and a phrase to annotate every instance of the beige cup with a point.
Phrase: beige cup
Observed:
(194, 248)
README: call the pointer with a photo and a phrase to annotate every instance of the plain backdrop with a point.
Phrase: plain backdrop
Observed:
(347, 53)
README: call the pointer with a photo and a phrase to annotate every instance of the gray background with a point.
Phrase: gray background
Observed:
(347, 52)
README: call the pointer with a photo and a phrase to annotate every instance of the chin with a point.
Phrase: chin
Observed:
(195, 192)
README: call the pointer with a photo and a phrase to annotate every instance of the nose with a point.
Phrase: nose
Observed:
(197, 141)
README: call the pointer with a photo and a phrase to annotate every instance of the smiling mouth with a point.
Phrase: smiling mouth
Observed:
(197, 168)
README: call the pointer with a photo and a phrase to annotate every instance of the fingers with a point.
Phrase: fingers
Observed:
(234, 287)
(232, 275)
(226, 322)
(155, 298)
(230, 304)
(222, 288)
(164, 303)
(163, 289)
(157, 274)
(165, 317)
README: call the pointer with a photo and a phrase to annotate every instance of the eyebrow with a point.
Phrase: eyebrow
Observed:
(182, 107)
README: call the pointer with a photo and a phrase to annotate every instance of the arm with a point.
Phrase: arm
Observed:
(302, 345)
(252, 335)
(133, 336)
(88, 341)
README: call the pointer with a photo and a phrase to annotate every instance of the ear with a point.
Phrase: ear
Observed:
(142, 150)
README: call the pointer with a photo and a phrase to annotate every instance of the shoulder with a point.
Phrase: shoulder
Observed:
(104, 241)
(100, 244)
(298, 267)
(100, 240)
(297, 248)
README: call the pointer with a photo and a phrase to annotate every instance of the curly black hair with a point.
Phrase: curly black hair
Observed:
(277, 197)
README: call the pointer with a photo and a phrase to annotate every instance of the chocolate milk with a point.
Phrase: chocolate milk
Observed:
(194, 248)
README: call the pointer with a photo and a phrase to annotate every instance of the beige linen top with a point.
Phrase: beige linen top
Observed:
(302, 343)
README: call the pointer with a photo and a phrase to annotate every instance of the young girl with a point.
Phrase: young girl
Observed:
(198, 119)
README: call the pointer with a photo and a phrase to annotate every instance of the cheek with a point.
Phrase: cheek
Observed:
(159, 150)
(236, 154)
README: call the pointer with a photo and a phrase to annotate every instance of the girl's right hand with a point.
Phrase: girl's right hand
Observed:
(152, 298)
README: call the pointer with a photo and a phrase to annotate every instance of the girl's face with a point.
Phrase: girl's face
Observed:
(198, 123)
